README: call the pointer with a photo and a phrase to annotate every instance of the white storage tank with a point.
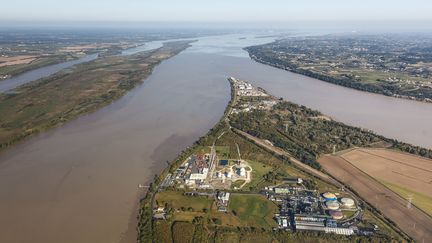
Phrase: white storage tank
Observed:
(336, 214)
(332, 205)
(347, 202)
(328, 196)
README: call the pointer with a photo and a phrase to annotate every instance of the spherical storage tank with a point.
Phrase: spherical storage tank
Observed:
(328, 196)
(336, 214)
(347, 202)
(332, 205)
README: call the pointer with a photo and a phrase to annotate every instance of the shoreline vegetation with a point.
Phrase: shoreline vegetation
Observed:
(262, 55)
(84, 88)
(11, 71)
(19, 60)
(268, 126)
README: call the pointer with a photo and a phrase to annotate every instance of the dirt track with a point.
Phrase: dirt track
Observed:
(412, 221)
(279, 151)
(408, 171)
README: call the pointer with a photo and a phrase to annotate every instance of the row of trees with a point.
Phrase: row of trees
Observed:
(252, 234)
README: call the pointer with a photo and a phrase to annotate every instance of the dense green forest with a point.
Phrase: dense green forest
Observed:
(301, 131)
(306, 133)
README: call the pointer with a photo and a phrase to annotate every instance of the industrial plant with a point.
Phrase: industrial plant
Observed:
(303, 209)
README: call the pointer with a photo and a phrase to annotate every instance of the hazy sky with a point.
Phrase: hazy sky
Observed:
(215, 10)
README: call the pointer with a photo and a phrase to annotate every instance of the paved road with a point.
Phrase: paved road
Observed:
(279, 151)
(274, 149)
(413, 221)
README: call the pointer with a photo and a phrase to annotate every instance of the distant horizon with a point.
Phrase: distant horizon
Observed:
(222, 11)
(361, 26)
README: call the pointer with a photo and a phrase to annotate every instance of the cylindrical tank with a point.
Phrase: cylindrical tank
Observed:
(347, 202)
(242, 172)
(328, 196)
(336, 214)
(332, 205)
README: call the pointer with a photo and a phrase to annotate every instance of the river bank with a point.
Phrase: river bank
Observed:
(222, 134)
(51, 102)
(373, 79)
(11, 70)
(88, 170)
(104, 155)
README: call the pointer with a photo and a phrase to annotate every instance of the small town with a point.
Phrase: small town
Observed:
(382, 64)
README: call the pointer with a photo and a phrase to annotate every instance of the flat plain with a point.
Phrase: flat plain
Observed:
(398, 171)
(412, 221)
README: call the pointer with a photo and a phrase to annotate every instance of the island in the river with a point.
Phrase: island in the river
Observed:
(23, 51)
(52, 101)
(20, 52)
(275, 171)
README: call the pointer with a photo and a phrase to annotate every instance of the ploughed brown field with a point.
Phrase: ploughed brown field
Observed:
(9, 61)
(362, 170)
(404, 170)
(81, 48)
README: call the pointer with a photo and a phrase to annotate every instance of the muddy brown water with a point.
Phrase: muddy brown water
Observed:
(78, 182)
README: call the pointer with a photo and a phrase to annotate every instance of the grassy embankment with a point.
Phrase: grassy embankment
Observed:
(241, 223)
(52, 101)
(424, 202)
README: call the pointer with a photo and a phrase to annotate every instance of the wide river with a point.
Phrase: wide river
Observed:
(78, 182)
